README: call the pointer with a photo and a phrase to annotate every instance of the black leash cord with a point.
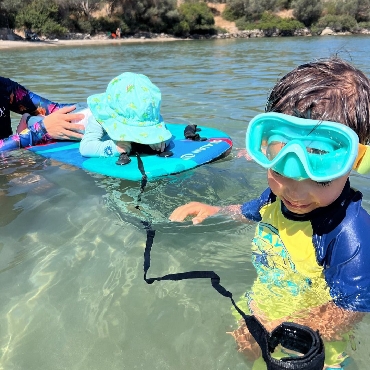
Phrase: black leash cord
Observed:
(144, 178)
(299, 338)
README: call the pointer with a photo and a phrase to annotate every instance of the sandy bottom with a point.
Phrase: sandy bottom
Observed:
(6, 44)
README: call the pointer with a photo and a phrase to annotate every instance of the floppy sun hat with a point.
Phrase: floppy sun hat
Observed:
(302, 148)
(129, 110)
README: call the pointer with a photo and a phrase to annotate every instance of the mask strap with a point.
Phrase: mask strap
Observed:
(362, 162)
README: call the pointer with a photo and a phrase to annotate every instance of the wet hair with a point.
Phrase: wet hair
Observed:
(328, 89)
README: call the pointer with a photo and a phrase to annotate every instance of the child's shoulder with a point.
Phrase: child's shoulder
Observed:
(251, 209)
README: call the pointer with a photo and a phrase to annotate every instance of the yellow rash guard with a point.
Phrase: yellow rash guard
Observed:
(306, 261)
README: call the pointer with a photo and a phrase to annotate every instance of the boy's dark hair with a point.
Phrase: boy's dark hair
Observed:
(329, 90)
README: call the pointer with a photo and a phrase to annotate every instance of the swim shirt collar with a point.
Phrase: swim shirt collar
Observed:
(321, 212)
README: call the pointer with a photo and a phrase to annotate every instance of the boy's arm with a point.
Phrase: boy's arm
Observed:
(200, 210)
(92, 144)
(246, 212)
(330, 320)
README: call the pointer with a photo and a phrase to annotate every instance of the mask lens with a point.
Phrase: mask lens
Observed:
(325, 150)
(273, 149)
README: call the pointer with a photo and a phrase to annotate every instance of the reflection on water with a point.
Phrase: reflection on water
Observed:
(71, 278)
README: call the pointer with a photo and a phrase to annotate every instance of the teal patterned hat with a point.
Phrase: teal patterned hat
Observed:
(129, 110)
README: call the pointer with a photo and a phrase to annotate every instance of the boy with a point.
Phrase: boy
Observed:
(311, 249)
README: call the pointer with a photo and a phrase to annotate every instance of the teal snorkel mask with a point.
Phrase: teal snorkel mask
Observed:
(301, 148)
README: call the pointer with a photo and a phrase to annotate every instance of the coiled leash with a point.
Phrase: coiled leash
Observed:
(295, 337)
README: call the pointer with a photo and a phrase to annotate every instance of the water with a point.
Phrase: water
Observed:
(71, 248)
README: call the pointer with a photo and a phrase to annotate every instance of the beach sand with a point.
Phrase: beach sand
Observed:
(6, 44)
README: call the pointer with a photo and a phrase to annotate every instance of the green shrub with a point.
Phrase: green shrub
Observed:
(365, 25)
(84, 26)
(251, 10)
(358, 9)
(271, 23)
(195, 18)
(181, 29)
(106, 24)
(284, 4)
(52, 28)
(42, 17)
(150, 15)
(307, 11)
(316, 30)
(339, 23)
(234, 10)
(287, 27)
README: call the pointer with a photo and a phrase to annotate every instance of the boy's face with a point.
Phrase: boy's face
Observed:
(304, 196)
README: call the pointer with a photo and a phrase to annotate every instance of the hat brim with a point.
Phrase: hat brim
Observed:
(143, 135)
(138, 132)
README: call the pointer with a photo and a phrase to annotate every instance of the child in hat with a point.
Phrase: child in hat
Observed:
(128, 113)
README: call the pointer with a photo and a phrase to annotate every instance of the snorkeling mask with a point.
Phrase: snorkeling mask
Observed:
(302, 148)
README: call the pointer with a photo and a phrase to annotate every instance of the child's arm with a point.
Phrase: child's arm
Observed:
(201, 211)
(92, 143)
(247, 212)
(330, 320)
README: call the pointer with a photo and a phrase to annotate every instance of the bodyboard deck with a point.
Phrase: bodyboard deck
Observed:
(187, 154)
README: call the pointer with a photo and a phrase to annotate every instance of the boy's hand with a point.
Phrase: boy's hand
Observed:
(200, 210)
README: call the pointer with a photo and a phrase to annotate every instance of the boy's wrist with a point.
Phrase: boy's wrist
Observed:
(231, 210)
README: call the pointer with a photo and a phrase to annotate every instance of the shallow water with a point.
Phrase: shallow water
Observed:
(71, 249)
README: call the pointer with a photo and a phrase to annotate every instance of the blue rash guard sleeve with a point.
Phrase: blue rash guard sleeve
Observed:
(251, 209)
(347, 260)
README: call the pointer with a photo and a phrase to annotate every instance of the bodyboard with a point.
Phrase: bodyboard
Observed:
(187, 154)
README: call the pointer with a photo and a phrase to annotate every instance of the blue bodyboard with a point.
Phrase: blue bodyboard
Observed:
(187, 154)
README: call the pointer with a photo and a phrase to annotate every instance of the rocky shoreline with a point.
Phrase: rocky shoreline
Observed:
(239, 34)
(11, 39)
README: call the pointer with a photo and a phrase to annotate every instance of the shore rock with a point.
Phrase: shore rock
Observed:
(327, 31)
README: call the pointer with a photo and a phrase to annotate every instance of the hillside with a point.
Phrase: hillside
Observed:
(217, 10)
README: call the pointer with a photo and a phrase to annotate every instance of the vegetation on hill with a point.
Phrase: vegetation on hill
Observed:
(180, 17)
(342, 15)
(56, 17)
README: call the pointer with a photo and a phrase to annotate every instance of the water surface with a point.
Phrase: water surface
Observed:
(71, 248)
